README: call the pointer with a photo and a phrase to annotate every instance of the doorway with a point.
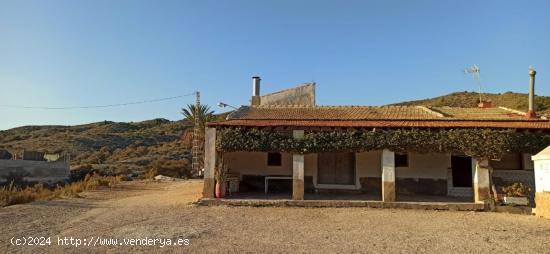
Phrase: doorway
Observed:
(336, 168)
(461, 167)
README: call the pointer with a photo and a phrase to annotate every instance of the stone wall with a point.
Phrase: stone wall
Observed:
(543, 204)
(33, 171)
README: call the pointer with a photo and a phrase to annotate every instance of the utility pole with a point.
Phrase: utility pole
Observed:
(196, 136)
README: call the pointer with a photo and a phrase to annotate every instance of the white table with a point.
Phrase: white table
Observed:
(267, 178)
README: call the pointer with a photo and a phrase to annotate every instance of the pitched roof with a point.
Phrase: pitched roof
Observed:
(380, 116)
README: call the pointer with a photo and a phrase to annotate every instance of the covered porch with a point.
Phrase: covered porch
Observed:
(374, 177)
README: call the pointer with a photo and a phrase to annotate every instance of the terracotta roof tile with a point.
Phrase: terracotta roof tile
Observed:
(374, 113)
(331, 112)
(382, 116)
(386, 124)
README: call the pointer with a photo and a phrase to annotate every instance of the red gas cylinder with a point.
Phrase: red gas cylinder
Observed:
(220, 189)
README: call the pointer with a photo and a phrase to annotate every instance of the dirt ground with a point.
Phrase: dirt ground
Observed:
(149, 210)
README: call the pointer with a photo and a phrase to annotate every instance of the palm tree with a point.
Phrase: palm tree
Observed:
(204, 114)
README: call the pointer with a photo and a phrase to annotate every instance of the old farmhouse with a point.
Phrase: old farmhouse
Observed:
(285, 146)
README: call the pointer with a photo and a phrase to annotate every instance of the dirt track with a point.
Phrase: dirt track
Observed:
(163, 210)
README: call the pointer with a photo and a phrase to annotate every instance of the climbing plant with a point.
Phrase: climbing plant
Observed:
(478, 142)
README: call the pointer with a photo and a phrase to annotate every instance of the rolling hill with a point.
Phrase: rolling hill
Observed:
(113, 147)
(118, 147)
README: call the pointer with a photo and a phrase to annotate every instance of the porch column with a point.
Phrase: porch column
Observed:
(298, 170)
(388, 176)
(209, 162)
(542, 182)
(481, 180)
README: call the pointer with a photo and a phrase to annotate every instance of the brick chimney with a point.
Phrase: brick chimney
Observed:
(531, 113)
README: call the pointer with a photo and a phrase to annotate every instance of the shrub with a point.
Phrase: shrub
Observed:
(150, 173)
(516, 190)
(478, 142)
(80, 172)
(12, 194)
(172, 168)
(122, 169)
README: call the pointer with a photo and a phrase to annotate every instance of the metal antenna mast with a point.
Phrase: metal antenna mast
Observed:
(474, 70)
(196, 135)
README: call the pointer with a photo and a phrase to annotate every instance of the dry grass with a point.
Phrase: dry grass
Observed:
(11, 195)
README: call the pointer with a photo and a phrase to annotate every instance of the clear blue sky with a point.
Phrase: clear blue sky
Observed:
(57, 53)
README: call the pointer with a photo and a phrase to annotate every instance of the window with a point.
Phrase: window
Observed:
(401, 160)
(274, 159)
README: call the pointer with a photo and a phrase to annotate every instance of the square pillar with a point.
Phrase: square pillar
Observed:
(298, 170)
(209, 163)
(388, 176)
(481, 181)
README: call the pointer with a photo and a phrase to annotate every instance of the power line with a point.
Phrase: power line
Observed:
(99, 106)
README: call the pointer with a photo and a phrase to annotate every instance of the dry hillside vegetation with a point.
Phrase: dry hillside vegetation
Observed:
(518, 101)
(110, 147)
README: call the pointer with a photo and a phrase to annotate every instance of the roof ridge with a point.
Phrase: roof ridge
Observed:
(431, 111)
(513, 111)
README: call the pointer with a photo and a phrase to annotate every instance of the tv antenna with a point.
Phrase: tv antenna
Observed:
(474, 70)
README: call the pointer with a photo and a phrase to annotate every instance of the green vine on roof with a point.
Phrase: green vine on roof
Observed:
(481, 143)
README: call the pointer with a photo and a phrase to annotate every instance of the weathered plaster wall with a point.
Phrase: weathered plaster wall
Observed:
(542, 200)
(34, 171)
(507, 162)
(420, 165)
(301, 95)
(368, 164)
(426, 174)
(255, 163)
(431, 165)
(311, 164)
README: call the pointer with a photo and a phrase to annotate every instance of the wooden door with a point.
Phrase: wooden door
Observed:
(336, 168)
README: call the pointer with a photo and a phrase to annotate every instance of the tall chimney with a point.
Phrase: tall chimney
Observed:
(531, 113)
(256, 86)
(256, 91)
